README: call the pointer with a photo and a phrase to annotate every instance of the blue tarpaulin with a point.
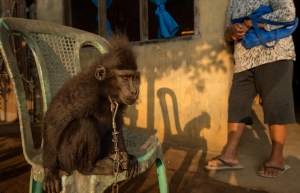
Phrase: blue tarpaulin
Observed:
(108, 26)
(167, 25)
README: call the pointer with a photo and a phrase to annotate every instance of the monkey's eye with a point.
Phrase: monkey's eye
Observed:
(135, 77)
(125, 77)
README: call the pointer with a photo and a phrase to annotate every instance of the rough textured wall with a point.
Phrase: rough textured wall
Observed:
(50, 10)
(184, 92)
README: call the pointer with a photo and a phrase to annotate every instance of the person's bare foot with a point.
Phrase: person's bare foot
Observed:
(271, 169)
(216, 162)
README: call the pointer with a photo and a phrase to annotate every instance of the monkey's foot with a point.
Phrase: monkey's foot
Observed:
(130, 163)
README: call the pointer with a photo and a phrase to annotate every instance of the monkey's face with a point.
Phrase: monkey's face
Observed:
(122, 85)
(128, 82)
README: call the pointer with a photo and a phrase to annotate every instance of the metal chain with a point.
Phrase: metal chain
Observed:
(114, 109)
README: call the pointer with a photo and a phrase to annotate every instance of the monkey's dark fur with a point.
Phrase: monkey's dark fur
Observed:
(78, 123)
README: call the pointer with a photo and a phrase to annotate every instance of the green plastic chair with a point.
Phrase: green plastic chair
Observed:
(56, 51)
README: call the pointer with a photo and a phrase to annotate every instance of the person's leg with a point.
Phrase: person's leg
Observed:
(274, 83)
(278, 135)
(240, 101)
(235, 132)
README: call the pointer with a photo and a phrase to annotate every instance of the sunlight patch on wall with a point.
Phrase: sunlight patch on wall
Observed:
(203, 48)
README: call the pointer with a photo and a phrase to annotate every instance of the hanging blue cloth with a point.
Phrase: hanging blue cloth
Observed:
(167, 25)
(108, 26)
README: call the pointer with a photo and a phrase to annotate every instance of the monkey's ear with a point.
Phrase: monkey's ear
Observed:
(100, 73)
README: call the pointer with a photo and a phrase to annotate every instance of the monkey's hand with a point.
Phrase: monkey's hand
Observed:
(130, 163)
(51, 182)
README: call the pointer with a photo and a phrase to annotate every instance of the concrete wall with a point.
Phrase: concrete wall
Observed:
(50, 10)
(192, 77)
(185, 85)
(184, 91)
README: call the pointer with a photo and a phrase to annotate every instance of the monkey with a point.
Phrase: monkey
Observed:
(77, 129)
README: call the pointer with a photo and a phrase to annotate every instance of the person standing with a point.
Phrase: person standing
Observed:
(267, 71)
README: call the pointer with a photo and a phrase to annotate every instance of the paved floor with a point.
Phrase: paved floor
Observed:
(185, 167)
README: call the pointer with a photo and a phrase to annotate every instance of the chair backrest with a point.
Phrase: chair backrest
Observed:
(56, 49)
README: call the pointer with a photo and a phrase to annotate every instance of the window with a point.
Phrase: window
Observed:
(136, 17)
(124, 15)
(82, 15)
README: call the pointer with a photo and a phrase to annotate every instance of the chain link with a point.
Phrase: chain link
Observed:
(115, 134)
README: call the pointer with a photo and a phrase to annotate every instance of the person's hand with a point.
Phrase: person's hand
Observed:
(236, 31)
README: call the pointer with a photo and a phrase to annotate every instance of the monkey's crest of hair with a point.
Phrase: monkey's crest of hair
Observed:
(120, 54)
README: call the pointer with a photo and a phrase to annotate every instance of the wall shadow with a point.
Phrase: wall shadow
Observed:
(194, 59)
(189, 137)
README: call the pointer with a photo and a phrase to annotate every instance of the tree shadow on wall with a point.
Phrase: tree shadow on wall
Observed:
(189, 138)
(193, 59)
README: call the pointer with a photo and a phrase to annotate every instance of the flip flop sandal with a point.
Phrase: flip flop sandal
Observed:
(226, 166)
(286, 167)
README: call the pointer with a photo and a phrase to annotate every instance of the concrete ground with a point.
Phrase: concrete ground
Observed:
(254, 149)
(185, 167)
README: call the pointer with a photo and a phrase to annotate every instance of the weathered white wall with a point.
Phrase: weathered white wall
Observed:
(50, 10)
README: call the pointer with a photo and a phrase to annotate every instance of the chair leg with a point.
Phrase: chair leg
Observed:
(34, 186)
(162, 177)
